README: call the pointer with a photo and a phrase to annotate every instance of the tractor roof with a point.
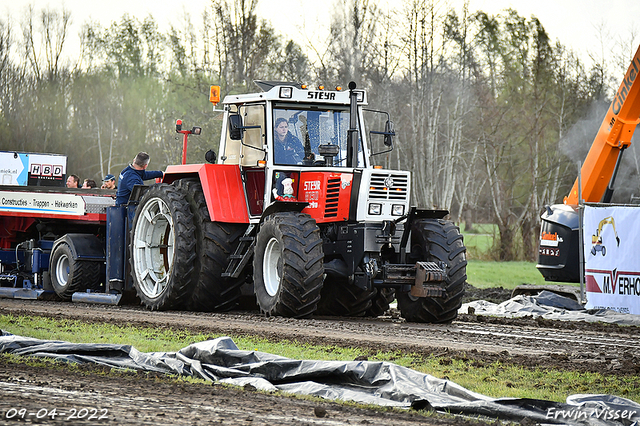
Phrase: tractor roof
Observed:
(295, 92)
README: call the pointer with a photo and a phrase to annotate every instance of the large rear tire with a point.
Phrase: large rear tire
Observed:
(162, 249)
(288, 265)
(215, 242)
(437, 240)
(69, 275)
(340, 298)
(380, 303)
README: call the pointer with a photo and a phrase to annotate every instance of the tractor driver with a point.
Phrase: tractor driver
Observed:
(287, 148)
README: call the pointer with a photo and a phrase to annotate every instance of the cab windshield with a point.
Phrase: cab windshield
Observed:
(299, 132)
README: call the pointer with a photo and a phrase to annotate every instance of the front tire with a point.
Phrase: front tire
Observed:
(69, 275)
(288, 265)
(437, 240)
(162, 249)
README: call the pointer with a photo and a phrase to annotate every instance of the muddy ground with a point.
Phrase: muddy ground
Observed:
(86, 395)
(128, 399)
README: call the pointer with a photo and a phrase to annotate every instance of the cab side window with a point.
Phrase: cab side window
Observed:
(253, 115)
(236, 151)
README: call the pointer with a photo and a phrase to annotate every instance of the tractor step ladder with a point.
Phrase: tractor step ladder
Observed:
(239, 259)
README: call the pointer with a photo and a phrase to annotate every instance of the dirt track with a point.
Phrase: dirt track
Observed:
(526, 342)
(132, 400)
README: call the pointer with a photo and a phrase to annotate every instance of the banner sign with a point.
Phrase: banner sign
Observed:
(612, 258)
(35, 202)
(22, 169)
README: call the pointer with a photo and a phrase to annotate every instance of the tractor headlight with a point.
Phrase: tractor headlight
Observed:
(397, 210)
(375, 209)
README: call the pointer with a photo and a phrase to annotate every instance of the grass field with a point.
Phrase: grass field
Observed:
(482, 272)
(495, 380)
(485, 274)
(479, 240)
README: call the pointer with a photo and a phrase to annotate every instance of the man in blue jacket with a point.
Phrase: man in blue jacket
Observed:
(135, 174)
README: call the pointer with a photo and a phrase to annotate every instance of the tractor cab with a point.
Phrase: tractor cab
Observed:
(287, 132)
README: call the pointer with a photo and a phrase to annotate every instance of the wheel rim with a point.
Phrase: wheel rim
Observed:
(62, 270)
(271, 267)
(153, 247)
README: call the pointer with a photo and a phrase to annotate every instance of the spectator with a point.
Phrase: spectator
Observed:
(134, 174)
(89, 183)
(73, 181)
(109, 182)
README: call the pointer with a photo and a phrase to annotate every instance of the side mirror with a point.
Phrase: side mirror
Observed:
(235, 127)
(388, 133)
(210, 156)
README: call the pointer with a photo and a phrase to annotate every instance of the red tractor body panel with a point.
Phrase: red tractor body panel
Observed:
(328, 195)
(222, 187)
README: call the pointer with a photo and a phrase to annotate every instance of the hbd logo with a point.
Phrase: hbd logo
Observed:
(47, 170)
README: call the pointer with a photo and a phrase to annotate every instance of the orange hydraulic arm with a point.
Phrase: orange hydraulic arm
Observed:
(613, 137)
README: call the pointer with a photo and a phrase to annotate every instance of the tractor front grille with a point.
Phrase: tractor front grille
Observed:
(389, 186)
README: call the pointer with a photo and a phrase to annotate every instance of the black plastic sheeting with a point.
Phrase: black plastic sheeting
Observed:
(548, 305)
(379, 383)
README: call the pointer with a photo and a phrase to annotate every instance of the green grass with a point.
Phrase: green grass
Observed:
(479, 240)
(495, 380)
(482, 272)
(486, 274)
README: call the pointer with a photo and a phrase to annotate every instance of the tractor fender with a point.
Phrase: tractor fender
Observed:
(222, 187)
(414, 214)
(283, 206)
(83, 246)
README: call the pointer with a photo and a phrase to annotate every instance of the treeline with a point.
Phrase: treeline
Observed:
(484, 105)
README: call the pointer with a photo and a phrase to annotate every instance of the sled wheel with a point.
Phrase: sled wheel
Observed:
(69, 275)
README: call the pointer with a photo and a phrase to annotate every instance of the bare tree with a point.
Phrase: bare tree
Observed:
(45, 55)
(353, 33)
(5, 47)
(6, 72)
(243, 41)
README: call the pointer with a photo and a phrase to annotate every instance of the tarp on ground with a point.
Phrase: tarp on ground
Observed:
(369, 382)
(547, 305)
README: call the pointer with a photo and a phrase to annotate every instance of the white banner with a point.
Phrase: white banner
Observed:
(612, 258)
(36, 202)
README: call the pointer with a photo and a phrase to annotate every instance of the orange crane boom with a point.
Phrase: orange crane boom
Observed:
(614, 136)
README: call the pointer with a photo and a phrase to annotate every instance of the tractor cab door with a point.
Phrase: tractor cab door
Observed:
(248, 152)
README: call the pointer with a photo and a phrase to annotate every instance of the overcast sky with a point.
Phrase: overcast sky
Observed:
(575, 23)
